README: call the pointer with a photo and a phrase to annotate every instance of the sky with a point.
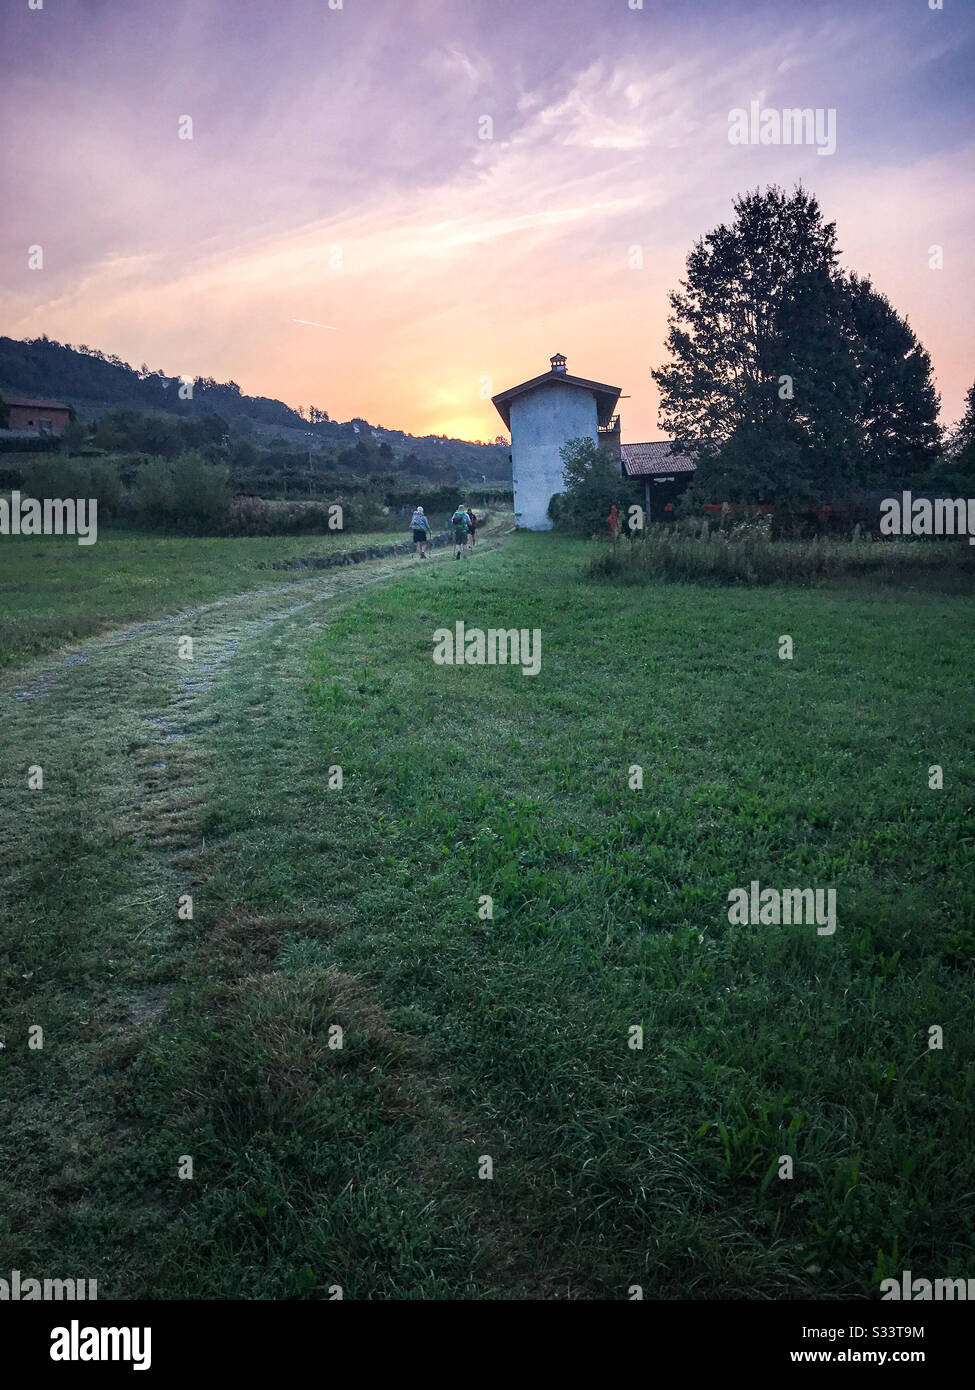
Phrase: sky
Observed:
(448, 192)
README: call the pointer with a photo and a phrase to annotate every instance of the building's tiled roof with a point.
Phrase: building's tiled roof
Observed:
(645, 460)
(31, 404)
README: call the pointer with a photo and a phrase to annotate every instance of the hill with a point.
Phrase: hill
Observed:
(93, 382)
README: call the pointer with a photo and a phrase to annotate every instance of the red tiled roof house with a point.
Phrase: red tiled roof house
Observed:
(44, 417)
(663, 470)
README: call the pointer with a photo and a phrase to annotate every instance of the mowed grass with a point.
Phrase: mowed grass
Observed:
(54, 591)
(507, 1038)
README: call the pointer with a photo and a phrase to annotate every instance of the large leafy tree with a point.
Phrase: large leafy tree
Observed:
(897, 401)
(786, 379)
(593, 484)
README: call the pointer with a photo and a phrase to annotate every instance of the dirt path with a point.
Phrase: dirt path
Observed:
(95, 862)
(134, 702)
(118, 725)
(246, 613)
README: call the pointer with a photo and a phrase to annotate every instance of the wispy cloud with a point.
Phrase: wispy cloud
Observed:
(336, 169)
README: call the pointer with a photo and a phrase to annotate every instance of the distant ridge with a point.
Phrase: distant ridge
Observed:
(93, 382)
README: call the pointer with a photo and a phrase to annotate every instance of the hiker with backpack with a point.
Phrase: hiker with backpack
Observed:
(472, 524)
(420, 527)
(459, 522)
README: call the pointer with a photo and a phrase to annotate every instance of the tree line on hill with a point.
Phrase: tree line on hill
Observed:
(46, 368)
(96, 382)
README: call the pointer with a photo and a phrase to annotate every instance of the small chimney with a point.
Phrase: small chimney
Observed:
(558, 363)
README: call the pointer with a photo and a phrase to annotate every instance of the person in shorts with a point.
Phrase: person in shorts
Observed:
(471, 529)
(459, 522)
(421, 531)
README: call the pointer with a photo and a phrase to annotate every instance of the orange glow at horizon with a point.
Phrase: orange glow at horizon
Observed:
(350, 241)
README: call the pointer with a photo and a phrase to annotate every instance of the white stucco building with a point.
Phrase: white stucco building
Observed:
(542, 415)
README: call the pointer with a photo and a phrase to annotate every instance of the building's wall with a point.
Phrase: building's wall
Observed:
(23, 417)
(541, 422)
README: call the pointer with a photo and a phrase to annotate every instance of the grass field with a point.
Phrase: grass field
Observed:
(463, 1037)
(55, 591)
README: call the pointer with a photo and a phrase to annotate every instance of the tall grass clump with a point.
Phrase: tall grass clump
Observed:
(748, 555)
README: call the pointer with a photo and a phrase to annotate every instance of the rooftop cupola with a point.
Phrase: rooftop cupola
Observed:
(558, 363)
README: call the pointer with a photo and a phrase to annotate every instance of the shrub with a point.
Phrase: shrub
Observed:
(152, 495)
(73, 437)
(593, 487)
(364, 512)
(260, 516)
(201, 493)
(106, 485)
(56, 476)
(59, 476)
(745, 554)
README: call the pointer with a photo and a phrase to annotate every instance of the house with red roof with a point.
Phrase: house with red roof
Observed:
(41, 417)
(663, 471)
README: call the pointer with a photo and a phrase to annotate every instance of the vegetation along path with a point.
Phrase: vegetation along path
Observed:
(212, 1037)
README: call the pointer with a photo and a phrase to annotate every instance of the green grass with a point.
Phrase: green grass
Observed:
(55, 591)
(507, 1037)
